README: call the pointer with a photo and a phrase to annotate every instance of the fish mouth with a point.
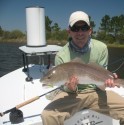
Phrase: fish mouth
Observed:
(47, 85)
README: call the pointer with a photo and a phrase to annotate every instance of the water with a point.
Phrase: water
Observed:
(11, 58)
(116, 60)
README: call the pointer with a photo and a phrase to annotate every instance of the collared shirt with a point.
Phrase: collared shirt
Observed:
(98, 53)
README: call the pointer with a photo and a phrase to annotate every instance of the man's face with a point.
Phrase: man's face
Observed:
(80, 33)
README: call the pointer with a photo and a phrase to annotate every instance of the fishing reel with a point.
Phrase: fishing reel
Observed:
(16, 116)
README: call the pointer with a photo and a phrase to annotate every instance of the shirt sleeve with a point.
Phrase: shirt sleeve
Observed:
(104, 58)
(58, 60)
(66, 89)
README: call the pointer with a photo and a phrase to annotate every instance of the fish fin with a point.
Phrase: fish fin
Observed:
(97, 66)
(100, 68)
(79, 60)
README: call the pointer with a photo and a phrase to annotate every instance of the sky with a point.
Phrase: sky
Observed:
(13, 15)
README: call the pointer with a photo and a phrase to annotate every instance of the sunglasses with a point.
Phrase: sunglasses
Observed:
(77, 28)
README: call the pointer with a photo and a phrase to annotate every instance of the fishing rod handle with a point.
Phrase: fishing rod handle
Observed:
(27, 102)
(33, 99)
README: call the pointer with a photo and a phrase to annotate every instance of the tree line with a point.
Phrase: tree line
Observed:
(111, 31)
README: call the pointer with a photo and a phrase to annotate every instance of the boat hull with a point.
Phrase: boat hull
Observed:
(15, 89)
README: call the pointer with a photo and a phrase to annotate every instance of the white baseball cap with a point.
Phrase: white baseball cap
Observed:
(78, 16)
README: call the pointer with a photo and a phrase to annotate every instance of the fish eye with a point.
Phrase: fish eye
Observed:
(48, 77)
(51, 74)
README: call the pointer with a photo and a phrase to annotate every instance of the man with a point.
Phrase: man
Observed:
(70, 101)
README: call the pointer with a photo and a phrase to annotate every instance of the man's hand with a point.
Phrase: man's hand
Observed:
(72, 83)
(110, 82)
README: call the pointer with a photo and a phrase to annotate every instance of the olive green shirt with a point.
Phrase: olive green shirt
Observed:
(98, 53)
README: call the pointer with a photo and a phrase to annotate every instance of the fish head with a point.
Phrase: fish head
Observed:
(55, 76)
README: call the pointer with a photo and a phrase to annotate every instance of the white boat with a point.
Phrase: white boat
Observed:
(23, 84)
(16, 88)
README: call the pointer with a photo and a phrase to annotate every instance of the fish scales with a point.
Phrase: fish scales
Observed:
(86, 73)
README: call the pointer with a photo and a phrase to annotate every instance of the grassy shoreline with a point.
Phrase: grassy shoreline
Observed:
(61, 43)
(115, 45)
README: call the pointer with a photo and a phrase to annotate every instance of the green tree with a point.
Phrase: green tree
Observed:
(48, 24)
(92, 23)
(55, 27)
(1, 32)
(105, 24)
(55, 32)
(117, 24)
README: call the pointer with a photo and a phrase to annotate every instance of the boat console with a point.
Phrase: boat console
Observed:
(28, 51)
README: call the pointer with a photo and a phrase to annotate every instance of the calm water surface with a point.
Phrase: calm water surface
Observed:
(11, 58)
(116, 60)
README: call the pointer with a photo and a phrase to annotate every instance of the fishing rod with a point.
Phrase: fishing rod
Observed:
(26, 102)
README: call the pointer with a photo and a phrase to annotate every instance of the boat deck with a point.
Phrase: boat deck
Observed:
(15, 90)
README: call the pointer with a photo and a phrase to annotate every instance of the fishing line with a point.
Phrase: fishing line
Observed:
(119, 67)
(119, 60)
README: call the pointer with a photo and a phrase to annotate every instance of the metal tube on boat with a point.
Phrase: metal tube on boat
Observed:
(35, 23)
